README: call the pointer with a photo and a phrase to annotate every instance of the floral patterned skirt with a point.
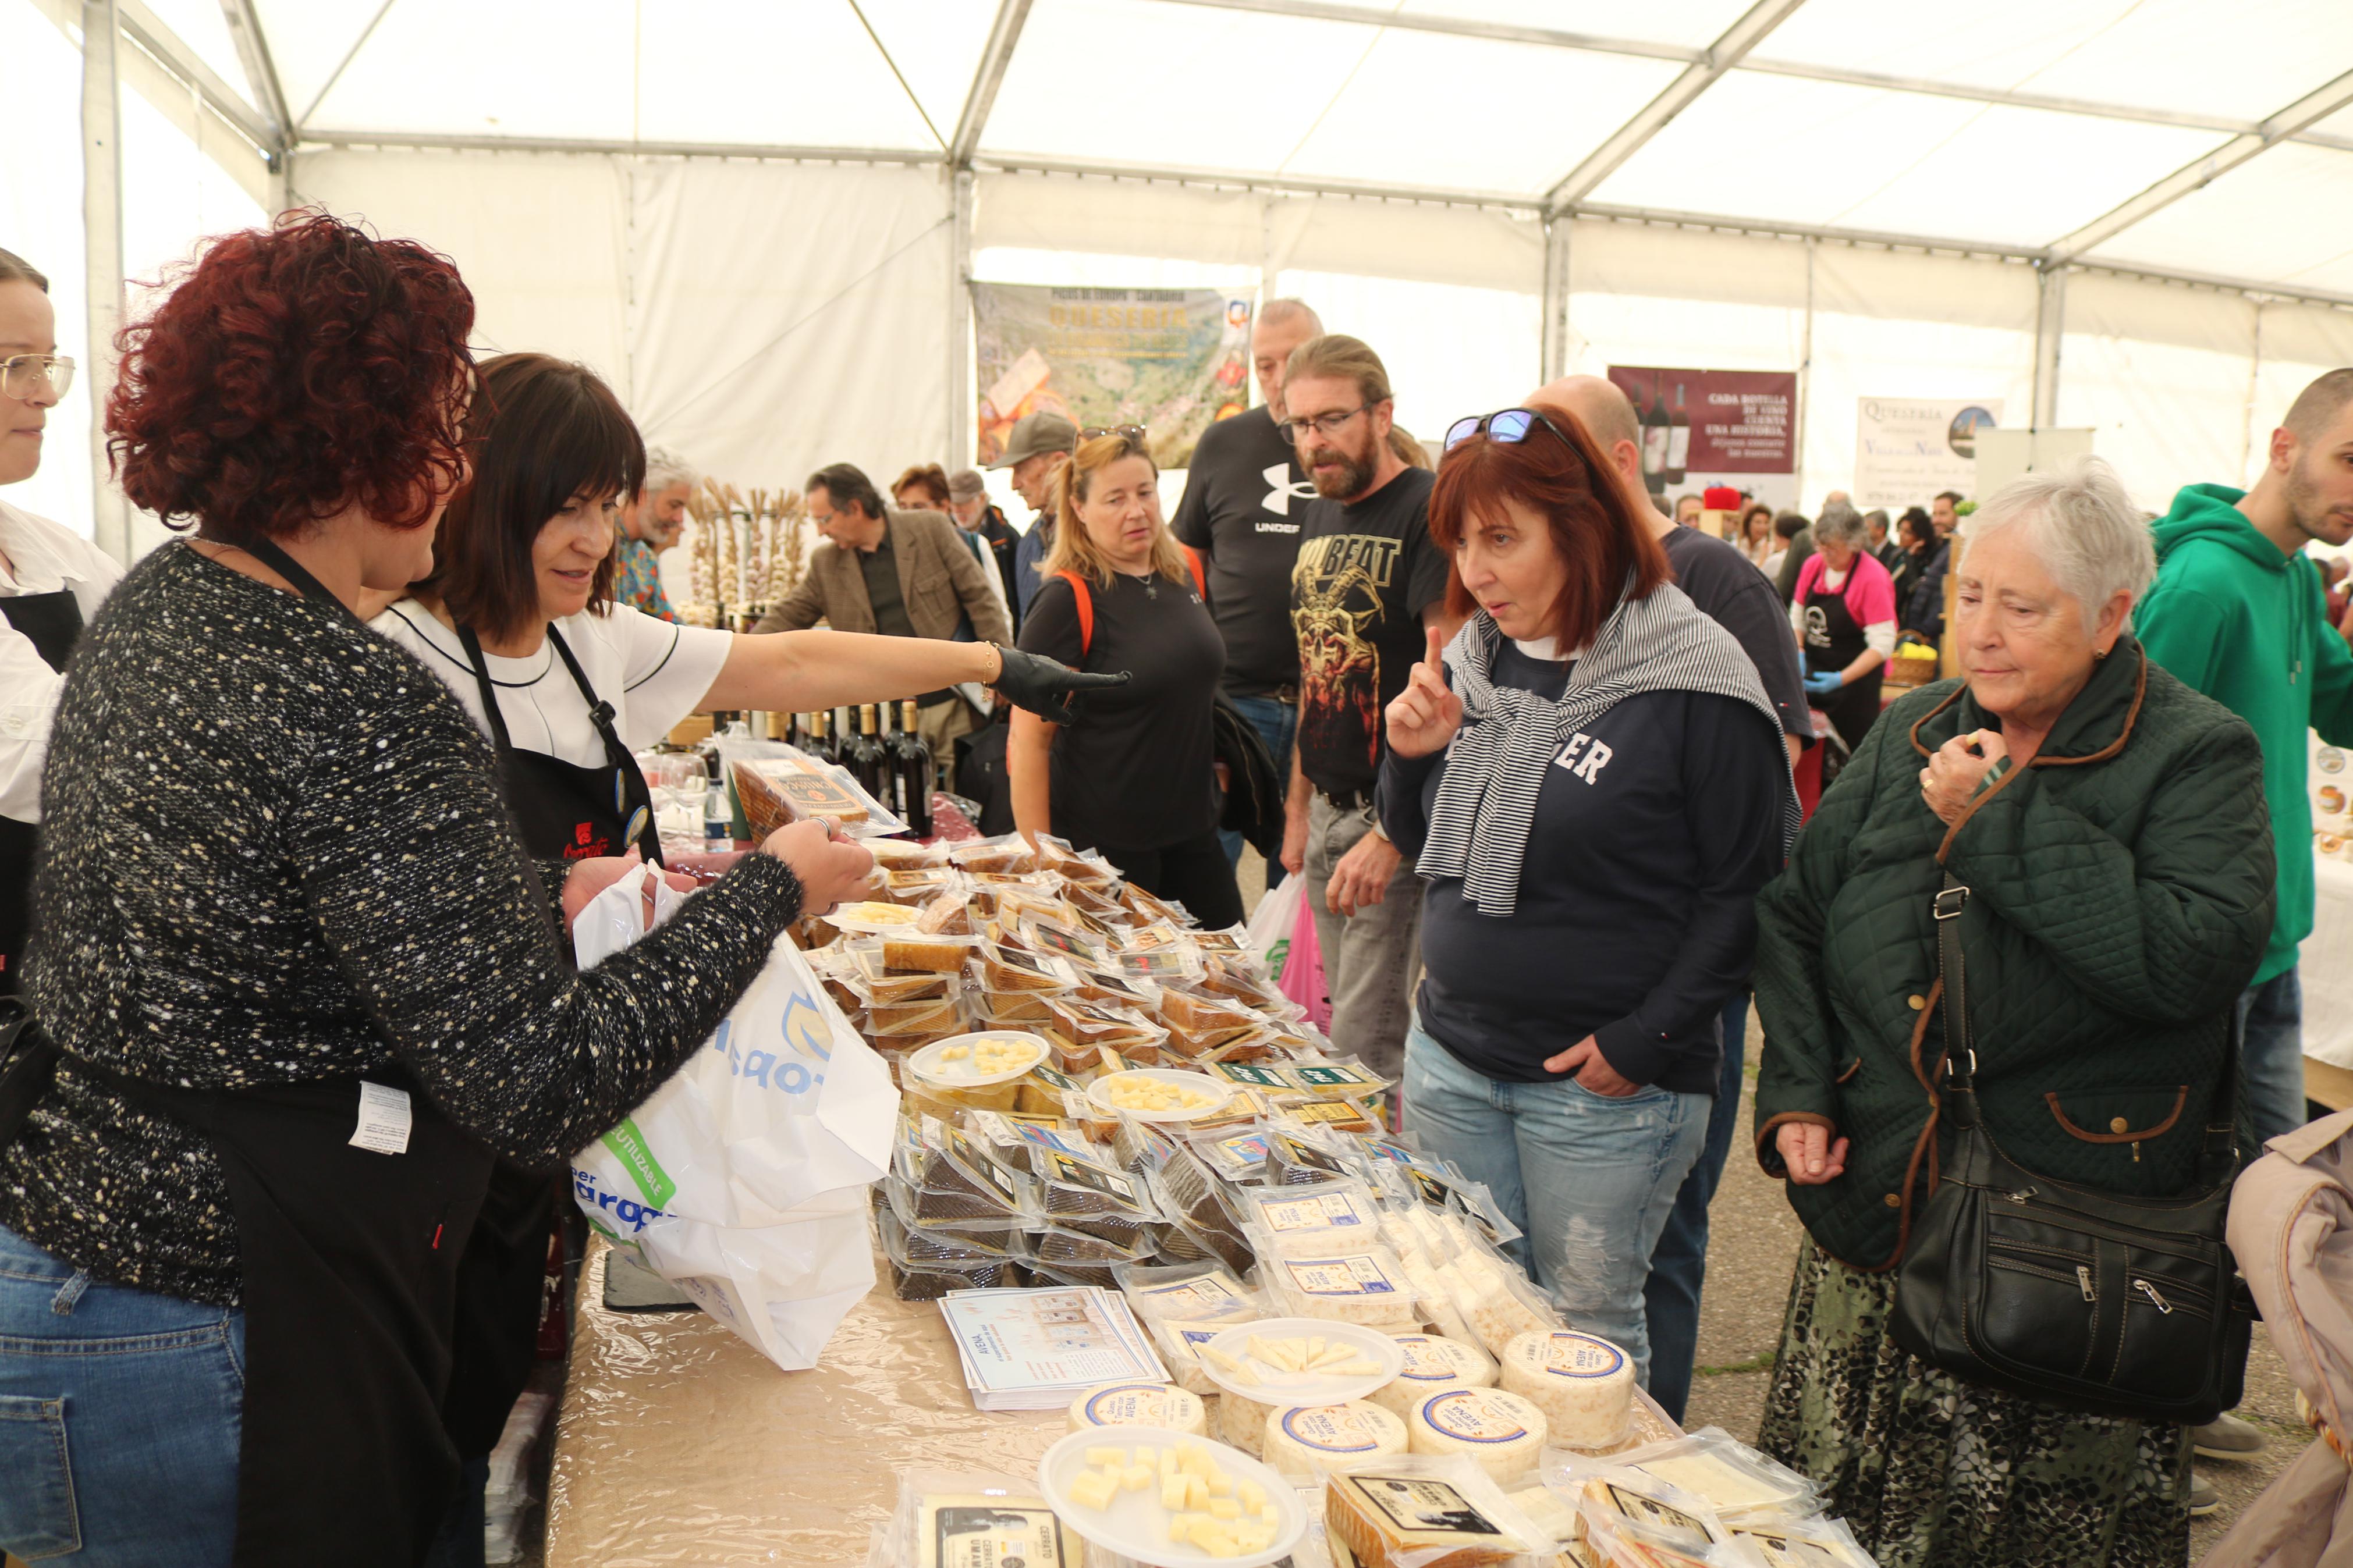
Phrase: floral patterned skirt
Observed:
(1933, 1472)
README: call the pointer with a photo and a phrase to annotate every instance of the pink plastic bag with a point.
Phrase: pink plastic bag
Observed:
(1303, 970)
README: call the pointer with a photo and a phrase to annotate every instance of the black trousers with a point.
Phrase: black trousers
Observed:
(1194, 873)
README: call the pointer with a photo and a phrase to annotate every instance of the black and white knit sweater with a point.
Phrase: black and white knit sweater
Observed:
(273, 851)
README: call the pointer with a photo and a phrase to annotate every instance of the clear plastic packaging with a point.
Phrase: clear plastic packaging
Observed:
(1073, 1187)
(1192, 1293)
(948, 1519)
(1414, 1511)
(773, 791)
(1743, 1485)
(1363, 1285)
(1306, 1220)
(1626, 1514)
(1008, 854)
(1803, 1543)
(1300, 1157)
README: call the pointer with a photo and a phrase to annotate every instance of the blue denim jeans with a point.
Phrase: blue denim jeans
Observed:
(1679, 1263)
(119, 1414)
(1276, 722)
(2272, 1056)
(1589, 1178)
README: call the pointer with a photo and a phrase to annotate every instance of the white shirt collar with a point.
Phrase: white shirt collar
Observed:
(46, 557)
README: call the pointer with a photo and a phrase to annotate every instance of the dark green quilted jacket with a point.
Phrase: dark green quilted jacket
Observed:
(2120, 898)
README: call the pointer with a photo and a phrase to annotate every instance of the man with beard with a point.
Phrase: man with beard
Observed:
(1245, 498)
(1038, 450)
(1368, 580)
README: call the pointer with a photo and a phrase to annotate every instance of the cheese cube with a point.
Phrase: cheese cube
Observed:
(1107, 1457)
(1224, 1507)
(1090, 1490)
(1137, 1478)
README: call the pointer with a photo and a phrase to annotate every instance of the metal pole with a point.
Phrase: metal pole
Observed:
(963, 441)
(2050, 326)
(1805, 383)
(1555, 298)
(102, 213)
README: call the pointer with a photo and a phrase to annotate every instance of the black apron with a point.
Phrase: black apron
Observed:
(52, 623)
(349, 1262)
(1835, 639)
(563, 812)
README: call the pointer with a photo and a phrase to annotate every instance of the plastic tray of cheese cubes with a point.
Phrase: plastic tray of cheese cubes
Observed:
(1163, 1501)
(1160, 1094)
(977, 1060)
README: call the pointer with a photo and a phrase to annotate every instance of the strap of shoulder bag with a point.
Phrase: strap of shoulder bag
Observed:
(2219, 1155)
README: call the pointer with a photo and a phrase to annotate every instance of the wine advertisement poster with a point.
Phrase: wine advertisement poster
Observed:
(1705, 427)
(1174, 360)
(1906, 449)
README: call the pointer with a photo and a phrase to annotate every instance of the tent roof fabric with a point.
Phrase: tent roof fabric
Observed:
(2012, 127)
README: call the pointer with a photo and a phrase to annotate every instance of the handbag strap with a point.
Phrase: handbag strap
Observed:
(2217, 1157)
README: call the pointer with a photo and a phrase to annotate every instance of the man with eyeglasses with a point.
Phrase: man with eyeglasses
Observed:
(1720, 581)
(51, 581)
(1038, 450)
(1367, 583)
(898, 573)
(1245, 501)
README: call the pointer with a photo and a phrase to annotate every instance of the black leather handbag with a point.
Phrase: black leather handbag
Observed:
(2092, 1300)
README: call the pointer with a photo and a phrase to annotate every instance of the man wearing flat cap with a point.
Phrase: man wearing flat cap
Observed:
(970, 510)
(1038, 451)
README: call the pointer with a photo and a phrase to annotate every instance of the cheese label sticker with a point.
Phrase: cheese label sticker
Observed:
(1345, 1115)
(1053, 1080)
(1471, 1416)
(1207, 1296)
(1788, 1552)
(1314, 1212)
(1086, 1174)
(986, 1536)
(1330, 1429)
(1130, 1405)
(994, 1175)
(1581, 1355)
(1422, 1507)
(1333, 1078)
(1649, 1510)
(1358, 1276)
(1245, 1072)
(1428, 1360)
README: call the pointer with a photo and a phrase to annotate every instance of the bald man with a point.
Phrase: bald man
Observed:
(1244, 497)
(1726, 587)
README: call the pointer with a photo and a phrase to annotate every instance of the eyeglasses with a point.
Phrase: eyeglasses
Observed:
(1133, 432)
(1509, 427)
(26, 376)
(1325, 424)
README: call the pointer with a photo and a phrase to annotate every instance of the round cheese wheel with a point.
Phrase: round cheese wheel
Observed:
(1433, 1364)
(1310, 1440)
(1139, 1405)
(1241, 1423)
(1584, 1385)
(1501, 1433)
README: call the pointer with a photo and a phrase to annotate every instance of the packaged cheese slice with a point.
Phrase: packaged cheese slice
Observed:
(1313, 1220)
(1417, 1511)
(1742, 1485)
(949, 1521)
(1584, 1385)
(1362, 1286)
(1808, 1543)
(1499, 1432)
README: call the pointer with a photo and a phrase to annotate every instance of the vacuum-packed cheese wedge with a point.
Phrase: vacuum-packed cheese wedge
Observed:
(1499, 1432)
(981, 1531)
(1384, 1520)
(1139, 1405)
(1433, 1364)
(1311, 1440)
(1584, 1385)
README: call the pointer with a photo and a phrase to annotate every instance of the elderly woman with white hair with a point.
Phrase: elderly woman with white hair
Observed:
(2108, 825)
(1843, 608)
(651, 521)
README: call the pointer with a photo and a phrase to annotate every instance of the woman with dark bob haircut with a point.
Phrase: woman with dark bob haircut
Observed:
(295, 985)
(1591, 782)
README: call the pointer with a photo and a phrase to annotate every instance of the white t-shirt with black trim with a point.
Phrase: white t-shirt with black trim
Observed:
(653, 672)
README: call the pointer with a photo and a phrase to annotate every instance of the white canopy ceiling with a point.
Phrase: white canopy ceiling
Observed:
(2210, 139)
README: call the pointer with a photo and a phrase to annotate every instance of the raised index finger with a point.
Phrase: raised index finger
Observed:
(1436, 647)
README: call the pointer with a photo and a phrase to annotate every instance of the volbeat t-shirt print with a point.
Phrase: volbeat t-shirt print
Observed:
(1366, 573)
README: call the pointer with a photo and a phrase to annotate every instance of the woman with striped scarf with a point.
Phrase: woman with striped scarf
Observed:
(1592, 780)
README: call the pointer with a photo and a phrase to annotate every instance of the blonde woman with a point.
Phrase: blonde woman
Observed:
(1138, 779)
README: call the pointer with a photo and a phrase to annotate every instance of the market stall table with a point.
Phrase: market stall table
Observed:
(681, 1443)
(2327, 982)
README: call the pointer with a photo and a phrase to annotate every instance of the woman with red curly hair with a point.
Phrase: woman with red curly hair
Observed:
(1590, 780)
(296, 983)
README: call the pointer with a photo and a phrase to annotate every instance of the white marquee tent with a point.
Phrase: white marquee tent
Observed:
(757, 216)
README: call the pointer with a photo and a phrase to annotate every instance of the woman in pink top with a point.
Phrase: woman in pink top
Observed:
(1844, 612)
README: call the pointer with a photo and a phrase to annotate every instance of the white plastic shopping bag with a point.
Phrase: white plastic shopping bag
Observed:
(1270, 924)
(745, 1179)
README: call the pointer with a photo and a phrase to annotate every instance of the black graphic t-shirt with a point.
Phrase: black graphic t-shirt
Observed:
(1244, 501)
(1366, 573)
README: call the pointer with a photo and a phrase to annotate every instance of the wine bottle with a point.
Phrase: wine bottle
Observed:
(1654, 441)
(1678, 439)
(821, 744)
(911, 767)
(865, 760)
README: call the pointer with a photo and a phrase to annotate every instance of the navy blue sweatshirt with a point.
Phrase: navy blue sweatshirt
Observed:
(1654, 831)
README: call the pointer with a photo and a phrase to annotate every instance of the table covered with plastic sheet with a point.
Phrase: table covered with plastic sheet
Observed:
(680, 1443)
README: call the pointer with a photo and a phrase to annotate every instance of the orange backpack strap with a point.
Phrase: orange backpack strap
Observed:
(1086, 610)
(1200, 581)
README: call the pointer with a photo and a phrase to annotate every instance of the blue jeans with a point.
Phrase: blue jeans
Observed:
(119, 1415)
(1589, 1178)
(2272, 1016)
(1679, 1263)
(1276, 722)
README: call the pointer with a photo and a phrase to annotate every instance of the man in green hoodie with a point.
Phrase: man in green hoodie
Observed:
(2239, 612)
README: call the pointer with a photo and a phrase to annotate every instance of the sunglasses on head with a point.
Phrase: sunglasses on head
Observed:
(1509, 426)
(1133, 432)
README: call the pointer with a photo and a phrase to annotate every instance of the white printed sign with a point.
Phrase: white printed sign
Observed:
(1906, 449)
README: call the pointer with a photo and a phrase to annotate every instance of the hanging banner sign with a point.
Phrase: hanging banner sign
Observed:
(1906, 449)
(1705, 427)
(1174, 360)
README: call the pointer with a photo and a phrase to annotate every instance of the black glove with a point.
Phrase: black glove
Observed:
(1044, 685)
